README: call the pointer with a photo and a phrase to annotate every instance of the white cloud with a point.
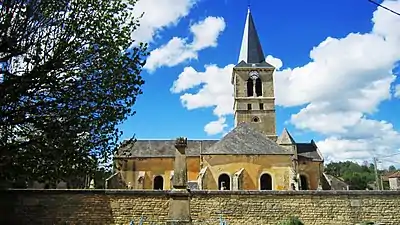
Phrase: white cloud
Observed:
(177, 50)
(277, 63)
(366, 139)
(344, 66)
(171, 54)
(344, 82)
(158, 15)
(333, 116)
(216, 127)
(206, 32)
(213, 91)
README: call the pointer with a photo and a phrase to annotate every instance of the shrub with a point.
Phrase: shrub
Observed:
(292, 221)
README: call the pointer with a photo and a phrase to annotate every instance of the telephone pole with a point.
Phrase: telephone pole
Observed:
(376, 174)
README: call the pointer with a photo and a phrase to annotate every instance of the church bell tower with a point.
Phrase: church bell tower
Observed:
(252, 79)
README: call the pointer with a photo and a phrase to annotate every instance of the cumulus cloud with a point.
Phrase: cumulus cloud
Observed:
(367, 138)
(216, 127)
(178, 50)
(346, 81)
(342, 85)
(166, 13)
(213, 91)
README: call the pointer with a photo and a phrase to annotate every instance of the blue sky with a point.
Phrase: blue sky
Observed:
(337, 93)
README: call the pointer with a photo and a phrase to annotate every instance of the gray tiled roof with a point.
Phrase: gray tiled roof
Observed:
(241, 140)
(161, 148)
(336, 183)
(308, 150)
(244, 140)
(263, 64)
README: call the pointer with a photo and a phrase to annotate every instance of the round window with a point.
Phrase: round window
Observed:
(256, 119)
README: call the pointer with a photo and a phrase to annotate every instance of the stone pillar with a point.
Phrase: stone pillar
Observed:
(254, 87)
(294, 179)
(179, 180)
(179, 203)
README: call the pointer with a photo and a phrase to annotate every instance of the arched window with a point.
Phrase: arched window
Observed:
(249, 87)
(303, 182)
(158, 183)
(265, 182)
(258, 87)
(224, 182)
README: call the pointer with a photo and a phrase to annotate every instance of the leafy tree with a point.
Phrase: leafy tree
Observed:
(392, 168)
(292, 221)
(100, 177)
(69, 74)
(357, 176)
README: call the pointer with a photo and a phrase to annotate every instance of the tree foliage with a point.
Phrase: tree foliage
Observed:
(357, 176)
(69, 74)
(292, 221)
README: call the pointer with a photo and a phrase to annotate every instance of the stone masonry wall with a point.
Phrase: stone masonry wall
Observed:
(236, 207)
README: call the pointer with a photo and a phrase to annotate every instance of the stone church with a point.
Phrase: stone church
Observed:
(250, 157)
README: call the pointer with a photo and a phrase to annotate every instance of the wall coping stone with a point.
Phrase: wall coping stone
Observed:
(300, 192)
(88, 192)
(194, 193)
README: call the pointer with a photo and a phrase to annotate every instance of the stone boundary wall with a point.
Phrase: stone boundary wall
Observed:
(236, 207)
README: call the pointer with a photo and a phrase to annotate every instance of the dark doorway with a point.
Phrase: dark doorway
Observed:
(249, 87)
(158, 183)
(224, 182)
(265, 182)
(304, 182)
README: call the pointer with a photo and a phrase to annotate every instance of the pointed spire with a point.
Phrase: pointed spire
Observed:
(285, 138)
(251, 50)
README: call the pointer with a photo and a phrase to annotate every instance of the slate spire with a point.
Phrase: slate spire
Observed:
(251, 50)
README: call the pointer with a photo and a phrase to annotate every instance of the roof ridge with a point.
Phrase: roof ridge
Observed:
(245, 140)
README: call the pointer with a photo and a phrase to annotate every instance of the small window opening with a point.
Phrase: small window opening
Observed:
(266, 182)
(256, 119)
(158, 183)
(249, 87)
(303, 182)
(248, 106)
(261, 106)
(258, 87)
(224, 182)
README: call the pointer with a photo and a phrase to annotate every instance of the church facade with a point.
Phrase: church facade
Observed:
(250, 157)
